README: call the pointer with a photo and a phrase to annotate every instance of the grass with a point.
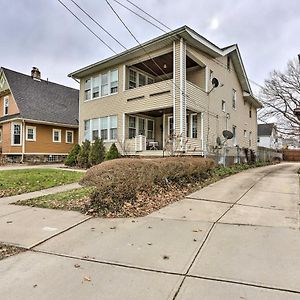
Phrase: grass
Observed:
(79, 199)
(70, 200)
(15, 182)
(6, 250)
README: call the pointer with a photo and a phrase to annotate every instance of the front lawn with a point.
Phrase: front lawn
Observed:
(6, 250)
(15, 182)
(70, 200)
(113, 193)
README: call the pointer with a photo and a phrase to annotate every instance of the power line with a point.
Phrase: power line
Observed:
(98, 24)
(87, 27)
(149, 15)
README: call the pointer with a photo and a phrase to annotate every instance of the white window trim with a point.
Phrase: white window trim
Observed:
(5, 104)
(191, 125)
(71, 131)
(169, 122)
(12, 133)
(34, 133)
(100, 83)
(58, 130)
(138, 72)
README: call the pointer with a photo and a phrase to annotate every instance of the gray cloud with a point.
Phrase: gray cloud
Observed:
(44, 34)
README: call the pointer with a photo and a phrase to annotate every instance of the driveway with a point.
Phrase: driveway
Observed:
(235, 239)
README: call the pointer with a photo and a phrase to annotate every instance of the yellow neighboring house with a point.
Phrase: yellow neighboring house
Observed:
(38, 119)
(176, 93)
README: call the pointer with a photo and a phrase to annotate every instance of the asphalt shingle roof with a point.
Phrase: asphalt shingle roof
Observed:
(265, 129)
(43, 100)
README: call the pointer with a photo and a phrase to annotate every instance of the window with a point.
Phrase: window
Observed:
(87, 89)
(16, 134)
(150, 80)
(30, 133)
(114, 81)
(245, 133)
(228, 62)
(223, 106)
(132, 79)
(170, 126)
(150, 129)
(113, 127)
(233, 98)
(234, 140)
(87, 130)
(96, 82)
(137, 79)
(194, 126)
(69, 136)
(56, 135)
(5, 106)
(104, 128)
(250, 111)
(141, 126)
(187, 126)
(95, 129)
(104, 84)
(132, 127)
(250, 139)
(142, 79)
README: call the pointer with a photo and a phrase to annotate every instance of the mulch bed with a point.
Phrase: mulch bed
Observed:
(7, 250)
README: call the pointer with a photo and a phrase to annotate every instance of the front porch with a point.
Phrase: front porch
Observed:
(152, 133)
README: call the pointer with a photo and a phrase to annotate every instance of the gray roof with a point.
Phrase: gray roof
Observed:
(43, 100)
(265, 129)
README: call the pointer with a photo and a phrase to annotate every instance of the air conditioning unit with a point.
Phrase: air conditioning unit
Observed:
(140, 143)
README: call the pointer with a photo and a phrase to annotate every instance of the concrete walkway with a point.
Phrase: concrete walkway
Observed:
(236, 239)
(41, 166)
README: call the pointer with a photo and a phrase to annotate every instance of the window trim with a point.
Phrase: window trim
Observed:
(234, 99)
(5, 105)
(192, 118)
(34, 133)
(56, 130)
(69, 131)
(137, 83)
(12, 133)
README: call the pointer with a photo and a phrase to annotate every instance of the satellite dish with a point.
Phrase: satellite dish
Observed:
(228, 135)
(218, 140)
(215, 82)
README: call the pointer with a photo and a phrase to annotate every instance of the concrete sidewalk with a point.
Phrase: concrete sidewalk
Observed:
(236, 239)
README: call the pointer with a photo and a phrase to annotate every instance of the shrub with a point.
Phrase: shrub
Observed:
(120, 181)
(83, 155)
(72, 158)
(97, 152)
(112, 153)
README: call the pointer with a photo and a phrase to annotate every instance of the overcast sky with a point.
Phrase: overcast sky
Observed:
(44, 34)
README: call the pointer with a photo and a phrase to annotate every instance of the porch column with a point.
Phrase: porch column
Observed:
(123, 130)
(164, 130)
(203, 146)
(182, 78)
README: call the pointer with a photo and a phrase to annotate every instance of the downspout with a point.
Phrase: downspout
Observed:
(23, 141)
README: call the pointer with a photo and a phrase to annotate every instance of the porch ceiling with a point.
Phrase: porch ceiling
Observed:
(158, 113)
(157, 68)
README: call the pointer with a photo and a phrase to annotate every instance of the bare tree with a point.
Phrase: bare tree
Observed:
(280, 96)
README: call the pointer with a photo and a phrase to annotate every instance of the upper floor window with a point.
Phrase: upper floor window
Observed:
(233, 98)
(250, 111)
(5, 106)
(250, 139)
(137, 79)
(101, 85)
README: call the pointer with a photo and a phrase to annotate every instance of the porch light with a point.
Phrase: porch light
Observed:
(297, 112)
(165, 66)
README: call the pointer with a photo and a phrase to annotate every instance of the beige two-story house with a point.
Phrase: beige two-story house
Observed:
(175, 93)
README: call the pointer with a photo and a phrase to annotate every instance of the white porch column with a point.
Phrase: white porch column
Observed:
(174, 94)
(164, 130)
(124, 77)
(123, 129)
(182, 76)
(203, 146)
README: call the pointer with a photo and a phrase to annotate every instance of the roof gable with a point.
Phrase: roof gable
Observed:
(265, 129)
(43, 100)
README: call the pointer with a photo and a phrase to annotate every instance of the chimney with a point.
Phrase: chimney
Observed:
(36, 74)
